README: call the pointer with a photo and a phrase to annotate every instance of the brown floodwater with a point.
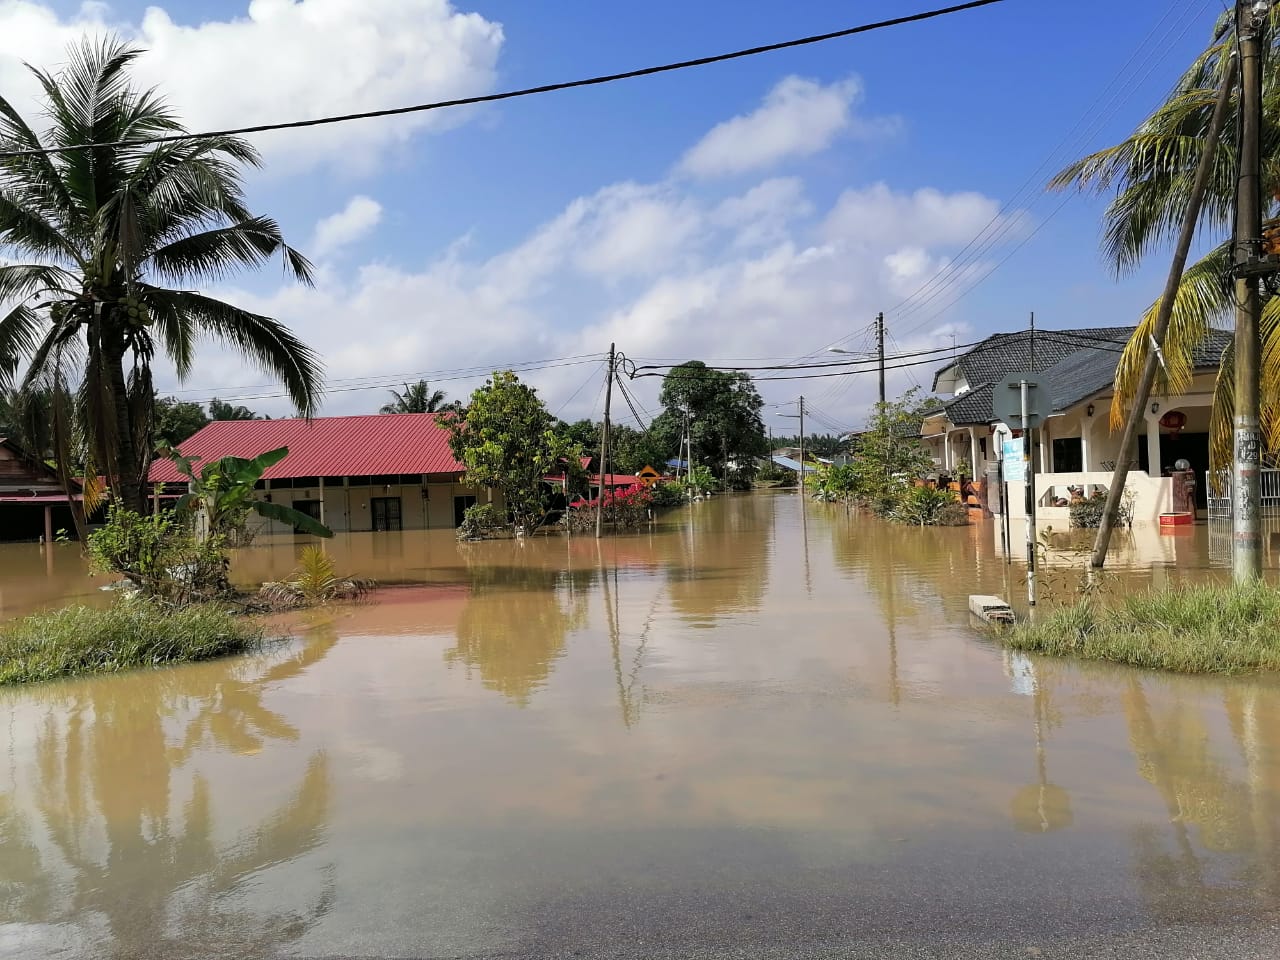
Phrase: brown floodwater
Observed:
(747, 723)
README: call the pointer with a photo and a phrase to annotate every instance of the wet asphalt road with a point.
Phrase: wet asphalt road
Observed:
(1180, 942)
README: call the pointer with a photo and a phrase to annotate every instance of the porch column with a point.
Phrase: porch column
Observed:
(1044, 447)
(1153, 445)
(974, 466)
(946, 451)
(321, 499)
(1086, 437)
(48, 524)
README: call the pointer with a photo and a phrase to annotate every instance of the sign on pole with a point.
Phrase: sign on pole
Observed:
(1006, 401)
(1015, 469)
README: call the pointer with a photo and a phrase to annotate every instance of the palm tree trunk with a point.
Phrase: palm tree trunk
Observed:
(1191, 219)
(128, 477)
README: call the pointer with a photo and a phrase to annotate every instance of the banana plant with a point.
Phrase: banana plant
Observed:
(221, 493)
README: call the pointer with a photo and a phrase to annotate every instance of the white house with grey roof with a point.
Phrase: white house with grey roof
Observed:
(1077, 449)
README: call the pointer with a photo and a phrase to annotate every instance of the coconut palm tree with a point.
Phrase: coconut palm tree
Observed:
(417, 398)
(110, 234)
(1150, 174)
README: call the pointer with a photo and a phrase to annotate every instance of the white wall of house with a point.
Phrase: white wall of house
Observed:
(349, 509)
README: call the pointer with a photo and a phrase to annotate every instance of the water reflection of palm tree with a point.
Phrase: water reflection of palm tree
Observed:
(156, 877)
(515, 623)
(1173, 755)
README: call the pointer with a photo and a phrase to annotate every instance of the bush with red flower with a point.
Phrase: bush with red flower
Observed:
(623, 507)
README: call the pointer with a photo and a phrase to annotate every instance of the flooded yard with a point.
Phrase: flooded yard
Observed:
(751, 724)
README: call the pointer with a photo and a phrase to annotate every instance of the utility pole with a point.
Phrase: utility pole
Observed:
(1033, 341)
(1189, 221)
(802, 446)
(1029, 485)
(1245, 476)
(604, 445)
(880, 352)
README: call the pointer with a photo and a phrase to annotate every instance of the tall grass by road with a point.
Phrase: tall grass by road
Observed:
(129, 635)
(1198, 629)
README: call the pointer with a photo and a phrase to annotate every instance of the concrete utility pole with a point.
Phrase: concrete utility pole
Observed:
(880, 352)
(1137, 408)
(1245, 476)
(802, 446)
(1029, 486)
(1033, 341)
(604, 445)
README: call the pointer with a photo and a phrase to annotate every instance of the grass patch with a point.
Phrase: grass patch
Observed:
(1199, 629)
(129, 635)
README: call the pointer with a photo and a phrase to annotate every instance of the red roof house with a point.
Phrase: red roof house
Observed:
(378, 472)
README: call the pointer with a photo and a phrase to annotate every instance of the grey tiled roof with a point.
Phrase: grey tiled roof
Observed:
(1004, 353)
(972, 407)
(1077, 376)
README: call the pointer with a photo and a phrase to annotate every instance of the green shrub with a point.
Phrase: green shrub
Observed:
(131, 634)
(161, 556)
(481, 520)
(1087, 513)
(930, 507)
(1198, 629)
(665, 495)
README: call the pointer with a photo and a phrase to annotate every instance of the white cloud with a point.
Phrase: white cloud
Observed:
(281, 60)
(798, 118)
(575, 284)
(353, 222)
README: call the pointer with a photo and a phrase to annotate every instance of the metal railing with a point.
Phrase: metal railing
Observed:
(1220, 499)
(1221, 540)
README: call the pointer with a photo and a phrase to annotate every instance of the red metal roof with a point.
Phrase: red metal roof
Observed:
(326, 446)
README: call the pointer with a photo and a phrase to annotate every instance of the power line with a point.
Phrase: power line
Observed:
(857, 362)
(573, 396)
(626, 395)
(478, 370)
(800, 376)
(954, 274)
(391, 383)
(514, 94)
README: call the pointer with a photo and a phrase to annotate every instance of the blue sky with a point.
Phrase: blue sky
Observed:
(547, 227)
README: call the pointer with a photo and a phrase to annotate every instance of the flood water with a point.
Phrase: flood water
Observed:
(749, 725)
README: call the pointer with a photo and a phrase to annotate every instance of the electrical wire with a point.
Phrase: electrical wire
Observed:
(859, 361)
(626, 395)
(573, 396)
(389, 384)
(1155, 52)
(479, 370)
(953, 274)
(514, 94)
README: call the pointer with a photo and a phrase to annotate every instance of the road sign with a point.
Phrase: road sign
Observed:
(1006, 401)
(1015, 468)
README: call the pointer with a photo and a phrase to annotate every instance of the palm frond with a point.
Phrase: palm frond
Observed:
(265, 341)
(1203, 296)
(1222, 418)
(214, 254)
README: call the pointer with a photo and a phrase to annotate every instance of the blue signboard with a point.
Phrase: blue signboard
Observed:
(1015, 468)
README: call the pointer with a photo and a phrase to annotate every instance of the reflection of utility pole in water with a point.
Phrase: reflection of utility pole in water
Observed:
(1264, 841)
(627, 704)
(895, 693)
(1042, 806)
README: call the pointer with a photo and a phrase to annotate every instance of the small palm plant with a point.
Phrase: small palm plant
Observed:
(221, 495)
(315, 581)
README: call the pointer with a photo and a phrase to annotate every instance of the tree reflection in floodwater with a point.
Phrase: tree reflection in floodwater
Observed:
(517, 618)
(119, 836)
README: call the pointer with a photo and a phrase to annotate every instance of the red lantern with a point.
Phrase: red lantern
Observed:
(1173, 421)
